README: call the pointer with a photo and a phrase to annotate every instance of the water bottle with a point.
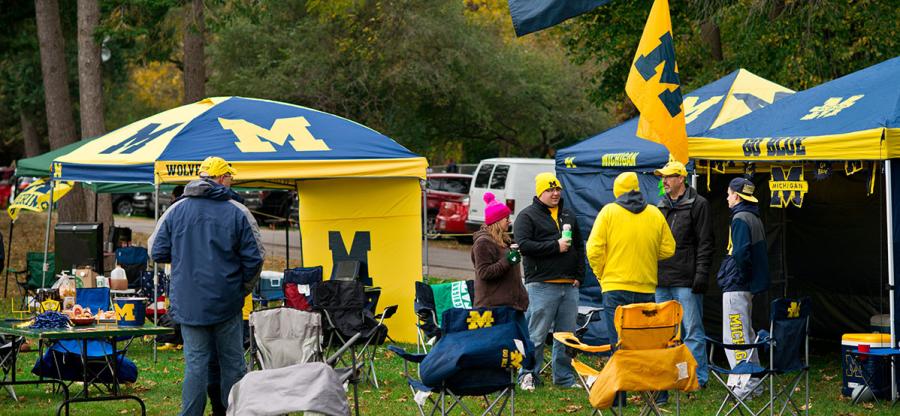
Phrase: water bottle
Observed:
(567, 232)
(513, 255)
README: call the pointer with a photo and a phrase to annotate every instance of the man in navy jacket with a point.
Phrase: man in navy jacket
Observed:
(744, 272)
(214, 246)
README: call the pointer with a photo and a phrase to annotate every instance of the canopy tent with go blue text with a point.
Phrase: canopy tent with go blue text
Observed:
(852, 118)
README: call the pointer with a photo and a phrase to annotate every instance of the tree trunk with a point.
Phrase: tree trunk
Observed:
(89, 74)
(90, 85)
(60, 123)
(29, 135)
(712, 37)
(194, 56)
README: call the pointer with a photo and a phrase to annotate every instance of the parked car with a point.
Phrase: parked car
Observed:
(141, 203)
(6, 186)
(451, 218)
(510, 179)
(441, 188)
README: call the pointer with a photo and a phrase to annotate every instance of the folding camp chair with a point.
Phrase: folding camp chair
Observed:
(9, 345)
(30, 278)
(298, 286)
(134, 260)
(287, 346)
(430, 303)
(479, 354)
(342, 304)
(88, 361)
(648, 358)
(788, 345)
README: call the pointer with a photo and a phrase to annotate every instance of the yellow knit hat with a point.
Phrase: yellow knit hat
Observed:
(545, 181)
(625, 182)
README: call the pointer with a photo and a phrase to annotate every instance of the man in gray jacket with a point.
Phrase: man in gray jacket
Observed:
(684, 277)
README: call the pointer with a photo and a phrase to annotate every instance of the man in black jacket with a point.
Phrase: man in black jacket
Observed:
(685, 276)
(554, 268)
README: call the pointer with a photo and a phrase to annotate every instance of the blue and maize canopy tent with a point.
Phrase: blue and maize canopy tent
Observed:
(587, 169)
(823, 161)
(359, 191)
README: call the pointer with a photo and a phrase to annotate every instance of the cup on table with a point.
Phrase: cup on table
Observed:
(864, 348)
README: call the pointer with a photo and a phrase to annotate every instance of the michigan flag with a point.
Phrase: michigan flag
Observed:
(654, 86)
(37, 197)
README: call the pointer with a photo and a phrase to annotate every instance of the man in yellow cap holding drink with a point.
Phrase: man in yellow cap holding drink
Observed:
(214, 246)
(553, 257)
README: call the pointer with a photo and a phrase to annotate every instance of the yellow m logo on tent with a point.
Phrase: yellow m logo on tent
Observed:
(480, 320)
(831, 107)
(57, 170)
(250, 136)
(125, 313)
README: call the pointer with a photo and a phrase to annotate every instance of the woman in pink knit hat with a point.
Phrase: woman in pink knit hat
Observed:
(498, 277)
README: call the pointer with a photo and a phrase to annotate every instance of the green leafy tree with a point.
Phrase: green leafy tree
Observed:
(419, 71)
(798, 44)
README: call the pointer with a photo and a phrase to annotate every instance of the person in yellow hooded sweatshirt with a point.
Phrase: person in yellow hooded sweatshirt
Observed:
(629, 237)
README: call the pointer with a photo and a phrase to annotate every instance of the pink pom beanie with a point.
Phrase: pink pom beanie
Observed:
(494, 211)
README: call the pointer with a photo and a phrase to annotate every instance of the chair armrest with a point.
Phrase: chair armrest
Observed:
(761, 343)
(568, 339)
(408, 356)
(386, 313)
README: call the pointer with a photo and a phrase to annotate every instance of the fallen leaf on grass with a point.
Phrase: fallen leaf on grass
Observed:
(868, 406)
(402, 400)
(572, 408)
(806, 406)
(165, 370)
(828, 378)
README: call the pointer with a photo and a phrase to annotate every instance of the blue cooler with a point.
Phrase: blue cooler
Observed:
(878, 370)
(131, 311)
(269, 288)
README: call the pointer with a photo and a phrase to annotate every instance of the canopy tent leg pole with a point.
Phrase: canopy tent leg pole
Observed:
(96, 203)
(425, 266)
(299, 229)
(44, 265)
(155, 269)
(890, 252)
(8, 256)
(287, 241)
(694, 180)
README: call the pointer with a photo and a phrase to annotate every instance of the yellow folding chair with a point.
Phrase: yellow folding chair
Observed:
(648, 358)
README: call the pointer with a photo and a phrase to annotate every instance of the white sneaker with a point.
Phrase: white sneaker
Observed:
(527, 383)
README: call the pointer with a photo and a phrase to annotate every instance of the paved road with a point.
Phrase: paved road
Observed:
(442, 261)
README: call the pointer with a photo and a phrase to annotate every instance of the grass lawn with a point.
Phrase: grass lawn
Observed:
(159, 385)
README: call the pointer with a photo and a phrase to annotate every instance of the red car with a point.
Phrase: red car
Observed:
(6, 186)
(443, 189)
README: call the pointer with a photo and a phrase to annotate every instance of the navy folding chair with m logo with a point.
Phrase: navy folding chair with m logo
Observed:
(478, 355)
(787, 342)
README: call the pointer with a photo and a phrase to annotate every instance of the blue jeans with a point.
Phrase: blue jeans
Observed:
(551, 306)
(691, 323)
(611, 300)
(222, 342)
(615, 298)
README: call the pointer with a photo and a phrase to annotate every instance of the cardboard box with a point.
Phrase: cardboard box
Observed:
(118, 284)
(88, 277)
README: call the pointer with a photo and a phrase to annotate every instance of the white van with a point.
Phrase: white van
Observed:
(510, 179)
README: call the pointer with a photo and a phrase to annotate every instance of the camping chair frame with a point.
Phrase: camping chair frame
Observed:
(786, 390)
(448, 400)
(365, 352)
(25, 284)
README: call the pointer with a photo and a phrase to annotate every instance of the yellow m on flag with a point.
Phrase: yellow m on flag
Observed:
(654, 86)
